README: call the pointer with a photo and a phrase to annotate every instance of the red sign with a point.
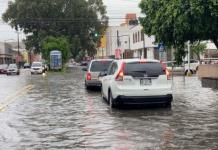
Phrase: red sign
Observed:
(118, 53)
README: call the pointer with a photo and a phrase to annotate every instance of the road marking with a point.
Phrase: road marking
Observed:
(11, 98)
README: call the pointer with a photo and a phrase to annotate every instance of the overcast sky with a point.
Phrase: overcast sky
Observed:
(115, 8)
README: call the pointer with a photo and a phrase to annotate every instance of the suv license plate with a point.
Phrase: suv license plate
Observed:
(145, 82)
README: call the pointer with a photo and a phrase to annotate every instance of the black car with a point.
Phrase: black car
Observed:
(26, 65)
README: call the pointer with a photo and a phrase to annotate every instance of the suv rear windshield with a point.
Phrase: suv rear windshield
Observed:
(138, 69)
(98, 66)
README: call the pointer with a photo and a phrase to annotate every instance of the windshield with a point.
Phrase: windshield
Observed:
(12, 66)
(98, 66)
(3, 66)
(137, 69)
(38, 64)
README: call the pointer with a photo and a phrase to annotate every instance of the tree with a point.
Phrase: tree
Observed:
(174, 22)
(52, 43)
(56, 18)
(198, 48)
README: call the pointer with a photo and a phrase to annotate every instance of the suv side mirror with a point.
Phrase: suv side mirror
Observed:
(102, 74)
(85, 69)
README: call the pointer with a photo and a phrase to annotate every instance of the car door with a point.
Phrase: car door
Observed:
(107, 79)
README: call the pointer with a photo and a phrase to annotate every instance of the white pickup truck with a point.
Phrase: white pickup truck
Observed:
(184, 68)
(193, 66)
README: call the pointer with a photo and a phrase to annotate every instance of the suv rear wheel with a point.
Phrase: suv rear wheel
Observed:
(111, 100)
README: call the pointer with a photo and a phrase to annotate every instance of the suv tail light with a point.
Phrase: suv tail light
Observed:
(167, 74)
(88, 76)
(120, 74)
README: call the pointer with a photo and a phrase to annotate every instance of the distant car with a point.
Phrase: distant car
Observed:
(3, 68)
(135, 81)
(13, 69)
(37, 68)
(84, 63)
(26, 65)
(94, 68)
(45, 66)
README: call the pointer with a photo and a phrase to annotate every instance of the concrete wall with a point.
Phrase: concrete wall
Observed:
(209, 83)
(208, 71)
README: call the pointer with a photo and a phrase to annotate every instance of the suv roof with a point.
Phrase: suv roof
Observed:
(136, 59)
(101, 60)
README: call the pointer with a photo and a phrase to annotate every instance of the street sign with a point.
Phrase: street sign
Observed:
(118, 53)
(161, 49)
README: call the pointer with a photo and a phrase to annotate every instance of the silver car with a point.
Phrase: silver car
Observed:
(13, 69)
(93, 70)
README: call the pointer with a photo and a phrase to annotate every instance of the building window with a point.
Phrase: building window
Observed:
(138, 36)
(142, 36)
(133, 37)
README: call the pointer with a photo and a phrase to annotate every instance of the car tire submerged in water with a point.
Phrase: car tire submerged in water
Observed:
(87, 87)
(111, 100)
(102, 95)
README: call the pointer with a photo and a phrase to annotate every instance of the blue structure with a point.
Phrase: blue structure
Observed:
(55, 60)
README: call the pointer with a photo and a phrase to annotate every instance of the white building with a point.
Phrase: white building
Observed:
(132, 41)
(115, 34)
(5, 53)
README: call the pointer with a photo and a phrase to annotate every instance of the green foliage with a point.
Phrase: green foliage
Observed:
(174, 22)
(52, 43)
(74, 19)
(198, 48)
(80, 56)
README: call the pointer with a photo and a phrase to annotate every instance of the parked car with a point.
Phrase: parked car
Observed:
(13, 69)
(84, 63)
(45, 66)
(37, 68)
(26, 65)
(94, 68)
(135, 81)
(3, 68)
(193, 66)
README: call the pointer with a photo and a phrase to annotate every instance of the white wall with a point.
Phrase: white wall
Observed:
(126, 40)
(2, 48)
(111, 36)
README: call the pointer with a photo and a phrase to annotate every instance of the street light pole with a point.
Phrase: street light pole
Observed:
(18, 48)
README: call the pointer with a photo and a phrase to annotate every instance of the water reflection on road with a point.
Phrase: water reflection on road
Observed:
(58, 113)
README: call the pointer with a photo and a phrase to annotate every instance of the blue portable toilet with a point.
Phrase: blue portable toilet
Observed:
(55, 60)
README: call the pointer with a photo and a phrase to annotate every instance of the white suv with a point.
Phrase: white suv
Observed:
(135, 81)
(193, 66)
(37, 68)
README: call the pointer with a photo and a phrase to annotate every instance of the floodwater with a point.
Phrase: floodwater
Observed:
(56, 112)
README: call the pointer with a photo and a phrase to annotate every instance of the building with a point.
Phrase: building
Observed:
(132, 42)
(6, 56)
(9, 53)
(211, 50)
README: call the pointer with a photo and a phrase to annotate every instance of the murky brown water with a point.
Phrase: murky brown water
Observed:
(58, 113)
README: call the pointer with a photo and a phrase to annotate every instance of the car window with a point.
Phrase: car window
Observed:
(113, 68)
(137, 69)
(12, 66)
(98, 66)
(36, 64)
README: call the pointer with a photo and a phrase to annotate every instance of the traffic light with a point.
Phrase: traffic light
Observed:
(96, 34)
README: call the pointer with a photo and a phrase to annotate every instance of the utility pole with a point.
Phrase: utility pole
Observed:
(189, 72)
(118, 40)
(18, 48)
(143, 54)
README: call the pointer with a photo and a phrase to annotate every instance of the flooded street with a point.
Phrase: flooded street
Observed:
(56, 112)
